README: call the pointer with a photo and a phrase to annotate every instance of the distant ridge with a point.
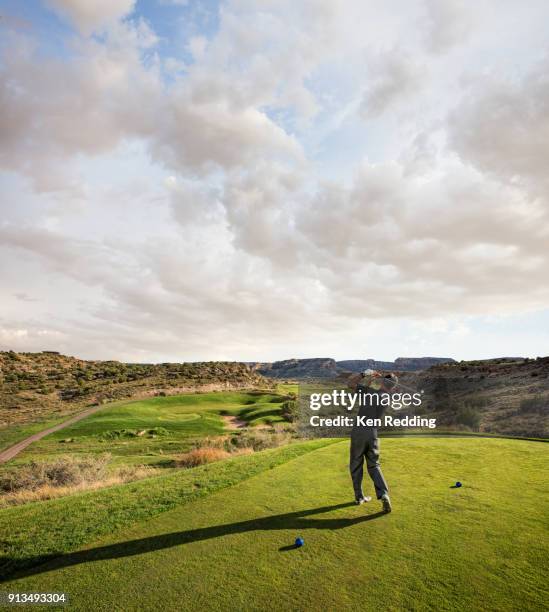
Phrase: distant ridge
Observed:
(325, 367)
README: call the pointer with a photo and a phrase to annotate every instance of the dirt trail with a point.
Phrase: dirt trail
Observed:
(12, 451)
(233, 422)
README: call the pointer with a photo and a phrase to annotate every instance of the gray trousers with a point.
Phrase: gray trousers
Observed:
(365, 447)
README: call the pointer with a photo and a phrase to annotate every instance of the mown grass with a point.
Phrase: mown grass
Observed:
(421, 433)
(287, 388)
(170, 424)
(36, 530)
(481, 547)
(15, 433)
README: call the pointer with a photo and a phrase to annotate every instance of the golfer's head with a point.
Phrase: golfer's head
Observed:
(371, 380)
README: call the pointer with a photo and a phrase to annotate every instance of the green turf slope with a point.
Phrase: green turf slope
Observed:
(481, 547)
(169, 425)
(35, 531)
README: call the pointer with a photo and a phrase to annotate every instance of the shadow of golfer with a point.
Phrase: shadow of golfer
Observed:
(293, 520)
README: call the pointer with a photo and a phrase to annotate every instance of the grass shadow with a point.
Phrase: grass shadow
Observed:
(300, 521)
(259, 413)
(361, 519)
(290, 547)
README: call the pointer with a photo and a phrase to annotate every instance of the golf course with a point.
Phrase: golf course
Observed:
(220, 536)
(152, 430)
(274, 311)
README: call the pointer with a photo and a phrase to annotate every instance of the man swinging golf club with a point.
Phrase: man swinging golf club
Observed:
(370, 385)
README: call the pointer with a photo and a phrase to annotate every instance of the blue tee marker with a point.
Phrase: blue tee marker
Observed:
(458, 484)
(299, 542)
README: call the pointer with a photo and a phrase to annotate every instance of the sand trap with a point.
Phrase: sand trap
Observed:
(233, 422)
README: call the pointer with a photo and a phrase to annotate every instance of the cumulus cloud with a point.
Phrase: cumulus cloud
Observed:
(104, 95)
(394, 77)
(446, 24)
(243, 229)
(208, 135)
(409, 244)
(56, 109)
(197, 46)
(90, 16)
(502, 127)
(20, 295)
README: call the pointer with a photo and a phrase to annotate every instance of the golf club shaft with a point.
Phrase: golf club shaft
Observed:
(399, 384)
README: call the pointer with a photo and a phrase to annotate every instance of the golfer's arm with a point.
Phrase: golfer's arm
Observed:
(352, 382)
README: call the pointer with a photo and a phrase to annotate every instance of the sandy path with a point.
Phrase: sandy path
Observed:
(14, 450)
(233, 422)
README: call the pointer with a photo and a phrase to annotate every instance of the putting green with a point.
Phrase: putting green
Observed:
(481, 547)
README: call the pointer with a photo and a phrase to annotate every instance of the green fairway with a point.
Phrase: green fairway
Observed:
(481, 547)
(166, 425)
(15, 433)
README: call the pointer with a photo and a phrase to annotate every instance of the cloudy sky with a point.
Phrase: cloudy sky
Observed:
(194, 180)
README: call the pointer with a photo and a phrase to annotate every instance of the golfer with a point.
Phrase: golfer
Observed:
(364, 441)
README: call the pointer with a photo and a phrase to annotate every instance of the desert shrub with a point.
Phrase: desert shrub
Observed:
(466, 415)
(200, 456)
(536, 404)
(290, 410)
(158, 431)
(116, 434)
(478, 402)
(441, 404)
(220, 442)
(260, 440)
(63, 472)
(127, 473)
(49, 491)
(69, 394)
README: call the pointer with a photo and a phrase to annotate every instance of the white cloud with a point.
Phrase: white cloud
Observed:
(502, 127)
(200, 216)
(56, 109)
(197, 46)
(91, 15)
(447, 23)
(394, 78)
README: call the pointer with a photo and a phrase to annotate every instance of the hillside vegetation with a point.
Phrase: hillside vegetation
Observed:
(47, 385)
(494, 396)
